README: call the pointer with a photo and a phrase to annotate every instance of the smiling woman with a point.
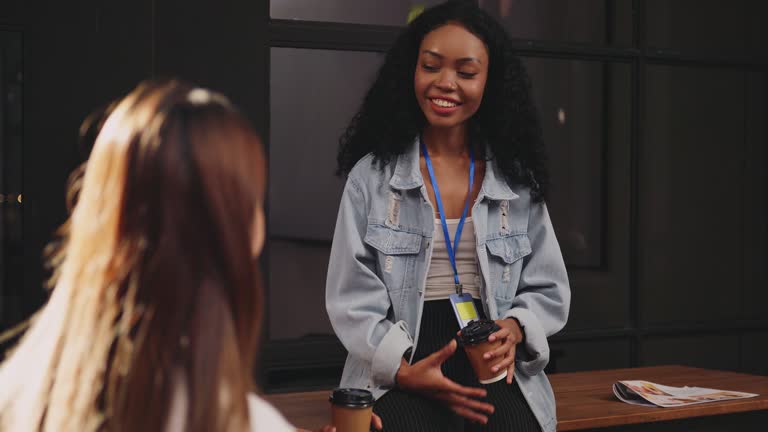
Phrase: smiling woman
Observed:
(443, 211)
(450, 78)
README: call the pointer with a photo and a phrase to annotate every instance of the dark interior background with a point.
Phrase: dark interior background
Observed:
(654, 114)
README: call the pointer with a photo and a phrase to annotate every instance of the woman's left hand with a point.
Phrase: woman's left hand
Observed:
(510, 335)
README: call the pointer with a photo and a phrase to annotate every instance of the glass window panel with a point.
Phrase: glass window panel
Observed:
(297, 273)
(588, 355)
(756, 213)
(693, 156)
(734, 28)
(313, 95)
(708, 351)
(754, 353)
(583, 107)
(597, 22)
(390, 12)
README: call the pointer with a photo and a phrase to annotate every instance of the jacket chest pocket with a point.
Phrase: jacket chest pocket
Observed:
(505, 259)
(396, 253)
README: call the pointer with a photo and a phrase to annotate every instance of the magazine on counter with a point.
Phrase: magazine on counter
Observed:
(651, 394)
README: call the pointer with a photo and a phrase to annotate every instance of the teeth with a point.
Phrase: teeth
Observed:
(444, 103)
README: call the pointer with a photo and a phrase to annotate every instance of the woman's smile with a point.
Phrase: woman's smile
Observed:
(444, 106)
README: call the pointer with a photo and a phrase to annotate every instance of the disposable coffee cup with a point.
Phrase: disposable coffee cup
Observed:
(351, 409)
(474, 339)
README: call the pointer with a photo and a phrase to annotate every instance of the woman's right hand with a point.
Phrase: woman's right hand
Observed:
(426, 377)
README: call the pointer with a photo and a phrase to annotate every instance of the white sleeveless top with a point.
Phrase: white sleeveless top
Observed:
(440, 282)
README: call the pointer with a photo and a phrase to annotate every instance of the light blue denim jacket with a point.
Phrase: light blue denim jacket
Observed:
(379, 261)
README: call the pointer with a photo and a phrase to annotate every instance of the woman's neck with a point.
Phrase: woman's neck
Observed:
(450, 142)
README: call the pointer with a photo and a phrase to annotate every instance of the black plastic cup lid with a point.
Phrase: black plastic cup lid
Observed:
(478, 331)
(351, 398)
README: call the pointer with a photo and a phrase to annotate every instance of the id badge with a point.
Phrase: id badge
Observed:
(464, 308)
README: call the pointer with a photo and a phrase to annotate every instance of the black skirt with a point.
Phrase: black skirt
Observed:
(408, 412)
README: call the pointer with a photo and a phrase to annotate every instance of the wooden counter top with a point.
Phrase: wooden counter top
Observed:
(585, 400)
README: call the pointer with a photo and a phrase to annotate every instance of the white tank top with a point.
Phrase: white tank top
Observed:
(440, 282)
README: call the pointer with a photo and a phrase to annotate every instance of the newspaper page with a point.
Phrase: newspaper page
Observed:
(651, 394)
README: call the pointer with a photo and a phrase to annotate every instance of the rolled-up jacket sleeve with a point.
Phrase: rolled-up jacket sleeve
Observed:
(543, 296)
(355, 296)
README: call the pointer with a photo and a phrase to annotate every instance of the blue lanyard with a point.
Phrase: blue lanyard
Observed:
(446, 234)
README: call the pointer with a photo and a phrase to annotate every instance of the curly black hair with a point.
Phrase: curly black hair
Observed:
(507, 121)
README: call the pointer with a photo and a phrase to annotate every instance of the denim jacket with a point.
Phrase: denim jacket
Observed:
(379, 261)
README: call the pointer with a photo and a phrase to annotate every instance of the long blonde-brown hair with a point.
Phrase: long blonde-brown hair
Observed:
(157, 297)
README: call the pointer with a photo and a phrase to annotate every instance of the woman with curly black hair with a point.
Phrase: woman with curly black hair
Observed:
(443, 219)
